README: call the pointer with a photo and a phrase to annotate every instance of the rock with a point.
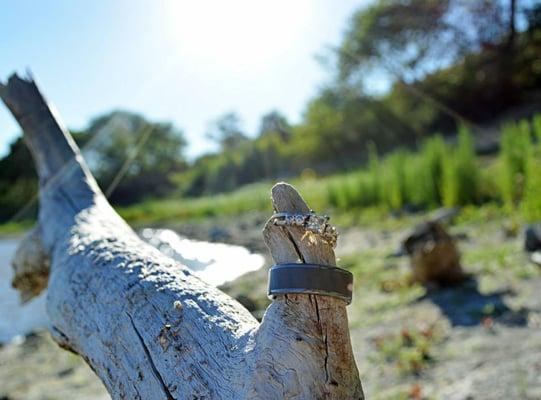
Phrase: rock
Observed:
(532, 241)
(536, 257)
(435, 259)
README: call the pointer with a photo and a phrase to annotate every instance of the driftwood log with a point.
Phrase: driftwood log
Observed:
(144, 323)
(435, 259)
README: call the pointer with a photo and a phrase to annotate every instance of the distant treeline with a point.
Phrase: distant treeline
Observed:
(450, 63)
(438, 174)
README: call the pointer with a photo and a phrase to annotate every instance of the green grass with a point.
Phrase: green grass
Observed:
(438, 174)
(246, 199)
(412, 349)
(15, 228)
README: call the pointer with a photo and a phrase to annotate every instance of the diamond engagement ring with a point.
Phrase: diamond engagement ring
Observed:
(311, 222)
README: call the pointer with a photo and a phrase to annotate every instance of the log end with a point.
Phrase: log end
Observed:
(21, 88)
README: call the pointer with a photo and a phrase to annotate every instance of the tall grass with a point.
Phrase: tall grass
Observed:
(394, 179)
(520, 166)
(461, 172)
(434, 152)
(531, 201)
(438, 174)
(514, 155)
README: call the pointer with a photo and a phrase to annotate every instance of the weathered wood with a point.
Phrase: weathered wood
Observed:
(145, 324)
(435, 259)
(317, 326)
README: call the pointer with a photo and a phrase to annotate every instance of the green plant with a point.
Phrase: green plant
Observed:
(531, 199)
(433, 154)
(394, 188)
(460, 172)
(515, 145)
(412, 350)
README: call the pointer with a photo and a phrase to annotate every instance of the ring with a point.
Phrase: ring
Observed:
(311, 222)
(324, 280)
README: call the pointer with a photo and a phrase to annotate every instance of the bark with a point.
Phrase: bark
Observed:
(144, 323)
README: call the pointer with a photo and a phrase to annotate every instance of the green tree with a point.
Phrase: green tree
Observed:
(274, 122)
(227, 132)
(18, 180)
(117, 137)
(409, 38)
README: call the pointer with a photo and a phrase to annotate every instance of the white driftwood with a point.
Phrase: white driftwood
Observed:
(147, 326)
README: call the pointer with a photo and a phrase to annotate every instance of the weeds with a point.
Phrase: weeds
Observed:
(515, 149)
(461, 172)
(411, 350)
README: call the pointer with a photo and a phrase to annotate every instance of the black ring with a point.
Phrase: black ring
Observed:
(325, 280)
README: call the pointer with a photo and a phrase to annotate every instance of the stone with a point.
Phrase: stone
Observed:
(532, 240)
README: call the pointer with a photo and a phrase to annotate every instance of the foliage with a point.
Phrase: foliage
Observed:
(107, 143)
(438, 174)
(412, 350)
(395, 34)
(18, 180)
(117, 136)
(531, 203)
(460, 173)
(433, 156)
(515, 147)
(268, 156)
(448, 63)
(227, 132)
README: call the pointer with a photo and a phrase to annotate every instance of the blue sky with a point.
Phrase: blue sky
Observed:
(182, 61)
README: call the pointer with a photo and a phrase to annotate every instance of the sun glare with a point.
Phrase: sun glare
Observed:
(236, 31)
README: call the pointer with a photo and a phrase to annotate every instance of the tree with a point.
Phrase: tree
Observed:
(408, 39)
(154, 152)
(274, 122)
(533, 16)
(227, 132)
(18, 180)
(112, 145)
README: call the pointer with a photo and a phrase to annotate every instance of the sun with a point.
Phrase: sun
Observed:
(234, 32)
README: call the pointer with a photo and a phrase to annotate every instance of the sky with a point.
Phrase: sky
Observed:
(187, 62)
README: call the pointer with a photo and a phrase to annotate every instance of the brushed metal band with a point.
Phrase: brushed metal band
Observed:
(324, 280)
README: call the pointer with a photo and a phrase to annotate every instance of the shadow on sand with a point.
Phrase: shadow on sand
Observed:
(465, 305)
